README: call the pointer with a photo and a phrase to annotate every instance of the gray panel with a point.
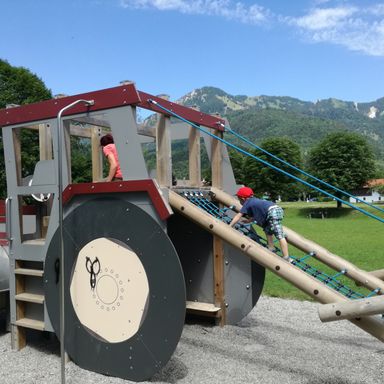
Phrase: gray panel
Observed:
(127, 140)
(194, 247)
(139, 357)
(244, 281)
(243, 278)
(4, 268)
(44, 173)
(34, 311)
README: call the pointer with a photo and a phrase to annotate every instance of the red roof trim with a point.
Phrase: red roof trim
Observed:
(147, 185)
(103, 99)
(49, 109)
(189, 114)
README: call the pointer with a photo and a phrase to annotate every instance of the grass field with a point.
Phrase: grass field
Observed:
(345, 232)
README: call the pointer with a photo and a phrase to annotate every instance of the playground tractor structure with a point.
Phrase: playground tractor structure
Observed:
(112, 268)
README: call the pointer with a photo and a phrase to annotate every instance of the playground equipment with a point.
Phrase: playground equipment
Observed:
(111, 268)
(125, 256)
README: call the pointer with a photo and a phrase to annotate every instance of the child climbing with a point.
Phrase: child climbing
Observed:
(266, 214)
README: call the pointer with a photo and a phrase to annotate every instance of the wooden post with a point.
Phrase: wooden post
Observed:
(97, 161)
(17, 151)
(45, 142)
(218, 245)
(351, 309)
(194, 156)
(18, 333)
(163, 149)
(217, 160)
(67, 149)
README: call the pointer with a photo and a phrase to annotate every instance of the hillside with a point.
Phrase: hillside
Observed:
(259, 117)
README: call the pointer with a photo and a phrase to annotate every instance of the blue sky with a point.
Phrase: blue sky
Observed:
(309, 49)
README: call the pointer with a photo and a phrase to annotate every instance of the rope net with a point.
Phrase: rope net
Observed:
(204, 201)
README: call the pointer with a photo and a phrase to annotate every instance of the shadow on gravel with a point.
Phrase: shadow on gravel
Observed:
(348, 341)
(253, 359)
(332, 380)
(174, 371)
(46, 342)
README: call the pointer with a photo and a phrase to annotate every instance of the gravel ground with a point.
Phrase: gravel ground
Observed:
(279, 342)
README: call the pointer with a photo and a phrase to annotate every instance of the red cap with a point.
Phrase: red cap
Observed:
(244, 192)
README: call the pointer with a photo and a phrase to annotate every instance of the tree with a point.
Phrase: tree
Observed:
(380, 189)
(264, 179)
(344, 160)
(237, 162)
(18, 86)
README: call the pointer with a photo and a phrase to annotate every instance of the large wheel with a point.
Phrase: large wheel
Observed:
(124, 289)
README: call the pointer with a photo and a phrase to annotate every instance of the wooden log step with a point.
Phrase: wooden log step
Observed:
(34, 242)
(30, 323)
(30, 297)
(29, 272)
(203, 309)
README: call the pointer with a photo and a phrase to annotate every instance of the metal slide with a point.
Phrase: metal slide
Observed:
(292, 273)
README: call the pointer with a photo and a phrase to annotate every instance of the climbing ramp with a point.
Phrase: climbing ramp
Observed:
(201, 208)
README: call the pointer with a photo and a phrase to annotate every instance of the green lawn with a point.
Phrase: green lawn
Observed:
(345, 232)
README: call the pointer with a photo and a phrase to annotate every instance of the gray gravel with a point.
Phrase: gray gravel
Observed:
(280, 341)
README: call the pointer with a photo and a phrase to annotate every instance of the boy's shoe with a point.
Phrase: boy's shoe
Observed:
(289, 259)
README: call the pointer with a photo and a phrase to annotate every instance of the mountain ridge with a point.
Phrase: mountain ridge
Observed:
(260, 117)
(226, 101)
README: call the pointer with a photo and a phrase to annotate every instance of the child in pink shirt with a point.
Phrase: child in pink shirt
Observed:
(109, 150)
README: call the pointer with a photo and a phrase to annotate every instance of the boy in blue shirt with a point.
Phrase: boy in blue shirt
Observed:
(266, 214)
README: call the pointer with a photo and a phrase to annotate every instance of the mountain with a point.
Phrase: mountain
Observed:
(215, 100)
(259, 117)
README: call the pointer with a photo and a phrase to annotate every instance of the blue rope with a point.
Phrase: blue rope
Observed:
(300, 170)
(265, 162)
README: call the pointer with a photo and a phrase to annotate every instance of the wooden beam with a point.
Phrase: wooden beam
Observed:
(97, 161)
(67, 149)
(351, 309)
(218, 277)
(218, 246)
(163, 150)
(17, 152)
(379, 273)
(18, 335)
(335, 262)
(217, 160)
(194, 156)
(45, 142)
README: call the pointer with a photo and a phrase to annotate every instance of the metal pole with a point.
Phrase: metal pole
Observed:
(61, 246)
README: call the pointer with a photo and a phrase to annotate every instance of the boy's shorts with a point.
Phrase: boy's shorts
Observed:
(274, 222)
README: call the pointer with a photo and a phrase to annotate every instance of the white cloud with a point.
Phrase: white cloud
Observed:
(356, 28)
(238, 11)
(324, 18)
